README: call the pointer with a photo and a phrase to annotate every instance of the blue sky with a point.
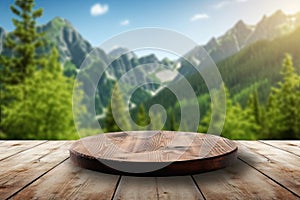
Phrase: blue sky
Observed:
(98, 20)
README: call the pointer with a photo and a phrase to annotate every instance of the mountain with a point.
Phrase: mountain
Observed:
(73, 49)
(241, 35)
(255, 67)
(241, 77)
(118, 51)
(258, 65)
(70, 44)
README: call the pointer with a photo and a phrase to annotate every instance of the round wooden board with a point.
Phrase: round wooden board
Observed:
(153, 153)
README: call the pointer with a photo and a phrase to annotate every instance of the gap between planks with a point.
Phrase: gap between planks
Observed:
(173, 187)
(262, 171)
(119, 178)
(240, 181)
(277, 147)
(34, 180)
(34, 163)
(278, 183)
(115, 190)
(67, 181)
(198, 187)
(21, 150)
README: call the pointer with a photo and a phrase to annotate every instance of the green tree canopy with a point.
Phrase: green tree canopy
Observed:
(46, 112)
(21, 58)
(239, 123)
(116, 109)
(283, 110)
(142, 118)
(22, 43)
(36, 98)
(156, 121)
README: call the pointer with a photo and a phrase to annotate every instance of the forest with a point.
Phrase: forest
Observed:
(261, 81)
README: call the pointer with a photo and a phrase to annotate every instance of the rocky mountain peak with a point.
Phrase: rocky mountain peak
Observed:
(67, 39)
(275, 19)
(278, 14)
(148, 59)
(60, 22)
(118, 51)
(242, 35)
(242, 26)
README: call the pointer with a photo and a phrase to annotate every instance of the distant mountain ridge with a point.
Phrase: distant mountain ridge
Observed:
(69, 42)
(74, 48)
(255, 68)
(242, 35)
(254, 62)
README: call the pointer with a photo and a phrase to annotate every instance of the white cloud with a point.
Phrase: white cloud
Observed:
(125, 22)
(225, 3)
(98, 9)
(221, 4)
(199, 16)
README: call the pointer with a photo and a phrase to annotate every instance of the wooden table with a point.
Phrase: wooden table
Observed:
(42, 170)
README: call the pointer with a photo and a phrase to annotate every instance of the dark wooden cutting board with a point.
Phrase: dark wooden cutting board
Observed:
(153, 153)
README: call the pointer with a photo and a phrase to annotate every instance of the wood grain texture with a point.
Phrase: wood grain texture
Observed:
(291, 146)
(240, 181)
(180, 187)
(279, 165)
(165, 153)
(157, 188)
(21, 169)
(12, 147)
(68, 182)
(132, 188)
(44, 172)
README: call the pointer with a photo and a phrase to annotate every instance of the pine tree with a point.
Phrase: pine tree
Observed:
(219, 115)
(110, 124)
(156, 121)
(172, 122)
(46, 112)
(116, 113)
(253, 105)
(142, 119)
(22, 44)
(283, 111)
(70, 69)
(20, 58)
(239, 123)
(264, 131)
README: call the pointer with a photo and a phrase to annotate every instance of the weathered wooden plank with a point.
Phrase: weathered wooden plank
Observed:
(136, 188)
(12, 147)
(21, 169)
(180, 187)
(279, 165)
(67, 181)
(240, 181)
(292, 146)
(157, 188)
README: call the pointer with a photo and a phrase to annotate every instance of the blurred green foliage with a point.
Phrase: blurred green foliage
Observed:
(36, 90)
(36, 98)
